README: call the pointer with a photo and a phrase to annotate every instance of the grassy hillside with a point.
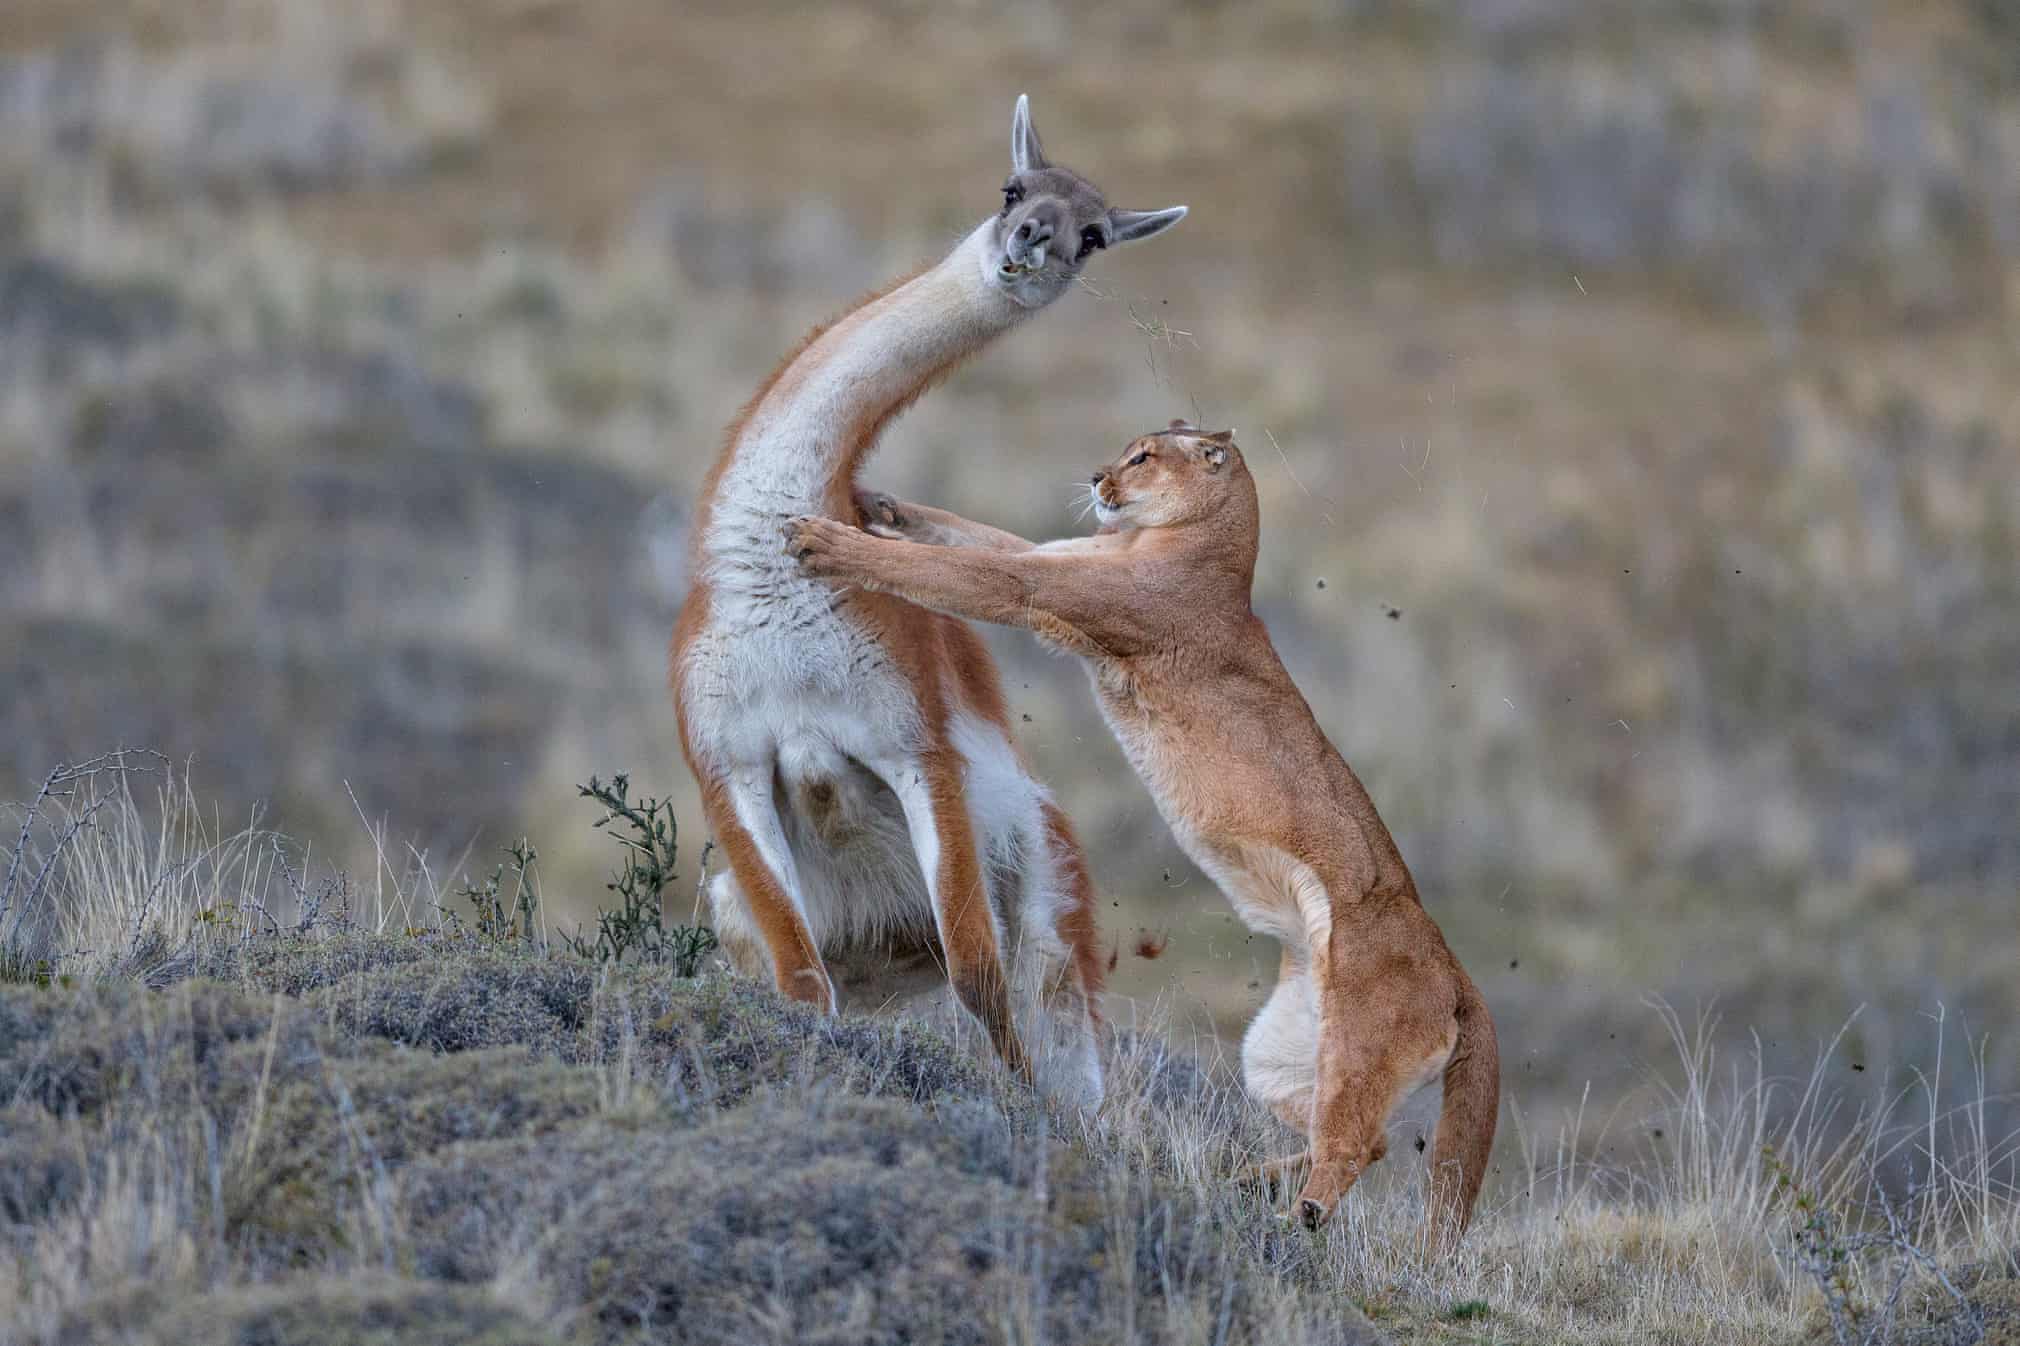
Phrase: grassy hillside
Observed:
(405, 1139)
(237, 1106)
(1631, 392)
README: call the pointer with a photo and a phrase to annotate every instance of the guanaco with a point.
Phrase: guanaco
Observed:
(1370, 1004)
(854, 752)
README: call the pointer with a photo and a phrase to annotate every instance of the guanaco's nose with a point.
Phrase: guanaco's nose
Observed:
(1034, 232)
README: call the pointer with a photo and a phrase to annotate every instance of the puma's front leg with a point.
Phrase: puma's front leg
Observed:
(886, 516)
(1067, 598)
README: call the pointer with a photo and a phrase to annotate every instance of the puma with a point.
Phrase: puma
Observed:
(1370, 1003)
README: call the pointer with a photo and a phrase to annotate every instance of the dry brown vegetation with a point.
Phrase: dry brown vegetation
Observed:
(239, 1100)
(1631, 393)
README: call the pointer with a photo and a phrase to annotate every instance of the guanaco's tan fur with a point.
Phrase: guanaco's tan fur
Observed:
(1370, 1002)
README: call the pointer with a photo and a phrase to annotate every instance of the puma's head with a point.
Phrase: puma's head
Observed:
(1170, 477)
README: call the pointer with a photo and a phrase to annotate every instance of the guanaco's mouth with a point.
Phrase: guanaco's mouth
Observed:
(1012, 269)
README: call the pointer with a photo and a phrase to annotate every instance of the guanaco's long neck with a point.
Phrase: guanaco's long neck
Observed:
(800, 447)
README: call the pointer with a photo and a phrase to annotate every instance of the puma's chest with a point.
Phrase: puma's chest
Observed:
(1155, 736)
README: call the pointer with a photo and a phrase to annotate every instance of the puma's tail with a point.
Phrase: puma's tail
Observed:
(1465, 1132)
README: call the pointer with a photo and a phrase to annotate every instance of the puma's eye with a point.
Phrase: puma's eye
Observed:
(1139, 459)
(1090, 239)
(1013, 192)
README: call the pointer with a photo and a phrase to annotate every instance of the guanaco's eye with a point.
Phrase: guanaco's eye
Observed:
(1013, 192)
(1139, 459)
(1090, 239)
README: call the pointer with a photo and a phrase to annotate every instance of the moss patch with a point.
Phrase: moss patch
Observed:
(771, 1172)
(41, 1165)
(825, 1214)
(78, 1050)
(361, 1311)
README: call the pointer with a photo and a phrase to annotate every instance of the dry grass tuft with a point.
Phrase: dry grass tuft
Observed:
(617, 1151)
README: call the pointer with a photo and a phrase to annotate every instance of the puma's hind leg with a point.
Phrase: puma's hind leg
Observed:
(1279, 1060)
(1275, 1176)
(1385, 1028)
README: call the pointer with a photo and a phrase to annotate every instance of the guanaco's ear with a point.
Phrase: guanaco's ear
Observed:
(1127, 226)
(1026, 154)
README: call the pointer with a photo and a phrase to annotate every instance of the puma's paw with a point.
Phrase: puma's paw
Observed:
(1274, 1175)
(881, 514)
(819, 545)
(1324, 1189)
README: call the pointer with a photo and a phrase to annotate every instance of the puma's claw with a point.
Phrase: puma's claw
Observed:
(810, 540)
(879, 513)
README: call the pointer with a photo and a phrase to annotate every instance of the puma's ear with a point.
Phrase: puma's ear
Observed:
(1182, 424)
(1215, 456)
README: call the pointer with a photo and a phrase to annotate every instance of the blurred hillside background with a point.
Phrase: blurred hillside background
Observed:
(1634, 391)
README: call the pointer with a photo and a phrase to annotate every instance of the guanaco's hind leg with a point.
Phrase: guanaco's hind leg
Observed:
(746, 824)
(1055, 961)
(930, 789)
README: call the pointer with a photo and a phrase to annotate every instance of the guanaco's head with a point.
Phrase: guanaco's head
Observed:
(1175, 476)
(1053, 220)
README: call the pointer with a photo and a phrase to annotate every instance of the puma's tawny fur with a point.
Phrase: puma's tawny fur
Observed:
(854, 752)
(1369, 1003)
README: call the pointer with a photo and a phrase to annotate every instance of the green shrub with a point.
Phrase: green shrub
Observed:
(645, 833)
